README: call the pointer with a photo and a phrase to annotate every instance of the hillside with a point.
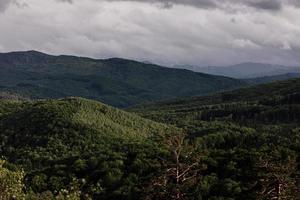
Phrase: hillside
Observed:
(247, 70)
(258, 93)
(56, 141)
(243, 146)
(117, 82)
(251, 138)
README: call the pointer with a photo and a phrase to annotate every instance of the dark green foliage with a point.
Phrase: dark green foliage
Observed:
(243, 144)
(250, 136)
(116, 82)
(268, 101)
(56, 141)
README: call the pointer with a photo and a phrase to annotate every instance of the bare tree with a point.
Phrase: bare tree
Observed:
(179, 172)
(279, 180)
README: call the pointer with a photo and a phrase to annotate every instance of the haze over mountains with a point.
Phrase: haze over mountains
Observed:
(246, 70)
(115, 81)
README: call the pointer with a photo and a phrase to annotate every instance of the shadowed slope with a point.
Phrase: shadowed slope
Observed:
(115, 81)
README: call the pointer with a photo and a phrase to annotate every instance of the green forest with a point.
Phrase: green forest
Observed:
(241, 144)
(118, 82)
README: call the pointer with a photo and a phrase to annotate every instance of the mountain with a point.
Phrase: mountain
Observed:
(115, 81)
(269, 79)
(247, 70)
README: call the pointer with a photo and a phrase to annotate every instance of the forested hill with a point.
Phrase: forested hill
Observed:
(115, 81)
(276, 90)
(58, 142)
(247, 147)
(251, 138)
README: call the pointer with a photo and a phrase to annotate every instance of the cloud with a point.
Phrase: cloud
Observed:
(272, 5)
(4, 4)
(66, 1)
(195, 3)
(265, 4)
(244, 44)
(196, 35)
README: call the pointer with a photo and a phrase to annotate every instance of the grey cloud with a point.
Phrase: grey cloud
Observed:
(66, 1)
(181, 35)
(4, 4)
(272, 5)
(295, 3)
(195, 3)
(166, 3)
(266, 4)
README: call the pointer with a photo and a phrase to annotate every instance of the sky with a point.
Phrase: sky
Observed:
(166, 32)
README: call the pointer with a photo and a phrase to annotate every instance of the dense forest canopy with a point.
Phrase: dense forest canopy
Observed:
(58, 142)
(254, 132)
(243, 144)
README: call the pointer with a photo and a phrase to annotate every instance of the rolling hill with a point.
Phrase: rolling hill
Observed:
(252, 137)
(276, 90)
(56, 141)
(115, 81)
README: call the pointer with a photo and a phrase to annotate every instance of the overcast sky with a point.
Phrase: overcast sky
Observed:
(173, 32)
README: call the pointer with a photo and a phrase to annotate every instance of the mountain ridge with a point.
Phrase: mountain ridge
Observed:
(246, 70)
(250, 94)
(115, 81)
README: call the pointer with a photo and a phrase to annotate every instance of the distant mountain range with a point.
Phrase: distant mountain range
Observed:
(246, 70)
(115, 81)
(269, 79)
